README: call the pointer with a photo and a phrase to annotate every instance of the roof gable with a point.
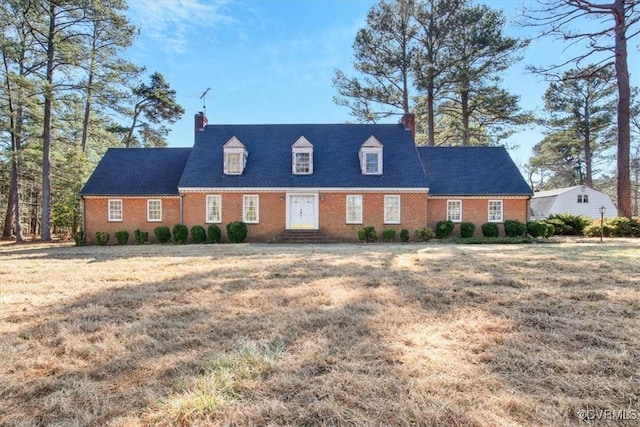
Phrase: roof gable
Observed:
(469, 171)
(302, 142)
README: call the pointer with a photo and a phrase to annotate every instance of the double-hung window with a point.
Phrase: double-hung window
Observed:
(354, 209)
(214, 209)
(154, 210)
(235, 157)
(454, 210)
(302, 157)
(583, 198)
(495, 211)
(371, 157)
(250, 209)
(115, 210)
(392, 209)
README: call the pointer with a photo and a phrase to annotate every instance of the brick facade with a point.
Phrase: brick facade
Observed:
(476, 210)
(272, 213)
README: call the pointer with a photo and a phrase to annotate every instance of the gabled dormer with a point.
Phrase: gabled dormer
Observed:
(235, 157)
(371, 157)
(302, 157)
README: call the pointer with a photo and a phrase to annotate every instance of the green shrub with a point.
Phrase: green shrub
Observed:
(80, 238)
(537, 228)
(368, 234)
(551, 230)
(140, 237)
(214, 234)
(467, 229)
(102, 238)
(490, 229)
(404, 235)
(444, 229)
(162, 233)
(180, 234)
(615, 227)
(569, 224)
(198, 234)
(424, 234)
(388, 234)
(237, 231)
(514, 228)
(122, 237)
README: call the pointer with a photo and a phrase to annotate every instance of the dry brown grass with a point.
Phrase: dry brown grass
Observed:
(361, 335)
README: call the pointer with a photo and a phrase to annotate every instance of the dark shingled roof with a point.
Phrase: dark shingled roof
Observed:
(468, 171)
(335, 157)
(137, 171)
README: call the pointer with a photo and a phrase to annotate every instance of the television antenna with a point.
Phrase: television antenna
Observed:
(204, 100)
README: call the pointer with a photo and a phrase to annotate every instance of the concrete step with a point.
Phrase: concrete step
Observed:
(303, 236)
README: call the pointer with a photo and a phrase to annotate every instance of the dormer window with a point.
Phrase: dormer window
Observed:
(235, 157)
(371, 157)
(302, 157)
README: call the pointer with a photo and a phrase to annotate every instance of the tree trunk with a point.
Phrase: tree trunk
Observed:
(89, 94)
(464, 102)
(430, 113)
(46, 134)
(587, 149)
(624, 104)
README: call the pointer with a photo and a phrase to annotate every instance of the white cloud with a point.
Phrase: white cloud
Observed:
(170, 23)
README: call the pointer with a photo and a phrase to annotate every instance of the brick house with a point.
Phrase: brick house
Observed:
(330, 178)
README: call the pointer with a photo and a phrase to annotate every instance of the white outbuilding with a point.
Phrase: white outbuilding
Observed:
(578, 200)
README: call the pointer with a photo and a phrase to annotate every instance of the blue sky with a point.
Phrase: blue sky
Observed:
(272, 61)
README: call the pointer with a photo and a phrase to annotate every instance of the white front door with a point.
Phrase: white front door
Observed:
(303, 211)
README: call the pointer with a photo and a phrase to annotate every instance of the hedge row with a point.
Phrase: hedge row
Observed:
(236, 232)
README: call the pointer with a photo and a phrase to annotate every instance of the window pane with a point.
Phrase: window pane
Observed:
(154, 210)
(495, 210)
(354, 209)
(250, 209)
(302, 162)
(392, 209)
(371, 162)
(454, 208)
(115, 210)
(214, 209)
(234, 163)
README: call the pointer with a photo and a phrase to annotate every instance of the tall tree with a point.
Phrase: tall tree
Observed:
(580, 105)
(383, 54)
(478, 54)
(436, 23)
(605, 28)
(155, 103)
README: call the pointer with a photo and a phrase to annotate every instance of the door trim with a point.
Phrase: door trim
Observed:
(316, 201)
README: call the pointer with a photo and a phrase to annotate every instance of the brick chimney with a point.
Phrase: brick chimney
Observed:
(408, 120)
(200, 122)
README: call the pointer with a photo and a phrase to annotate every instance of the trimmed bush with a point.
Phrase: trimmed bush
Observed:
(537, 228)
(80, 238)
(467, 229)
(388, 234)
(368, 234)
(404, 235)
(514, 228)
(490, 229)
(550, 230)
(214, 234)
(180, 234)
(615, 227)
(122, 237)
(444, 229)
(198, 235)
(237, 231)
(140, 237)
(162, 233)
(424, 234)
(569, 224)
(102, 238)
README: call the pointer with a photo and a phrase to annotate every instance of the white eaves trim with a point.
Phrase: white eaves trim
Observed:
(299, 190)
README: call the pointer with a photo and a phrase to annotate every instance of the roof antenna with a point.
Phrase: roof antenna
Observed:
(204, 101)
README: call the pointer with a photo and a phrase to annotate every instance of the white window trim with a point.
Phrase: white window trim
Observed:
(244, 209)
(359, 220)
(489, 211)
(149, 219)
(206, 208)
(388, 220)
(460, 204)
(110, 210)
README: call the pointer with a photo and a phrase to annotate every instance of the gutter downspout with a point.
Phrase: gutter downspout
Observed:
(181, 208)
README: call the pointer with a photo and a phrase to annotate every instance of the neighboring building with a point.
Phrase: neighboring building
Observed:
(578, 200)
(331, 178)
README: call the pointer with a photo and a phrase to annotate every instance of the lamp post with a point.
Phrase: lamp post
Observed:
(602, 211)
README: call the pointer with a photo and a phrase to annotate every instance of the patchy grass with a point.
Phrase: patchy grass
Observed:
(320, 335)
